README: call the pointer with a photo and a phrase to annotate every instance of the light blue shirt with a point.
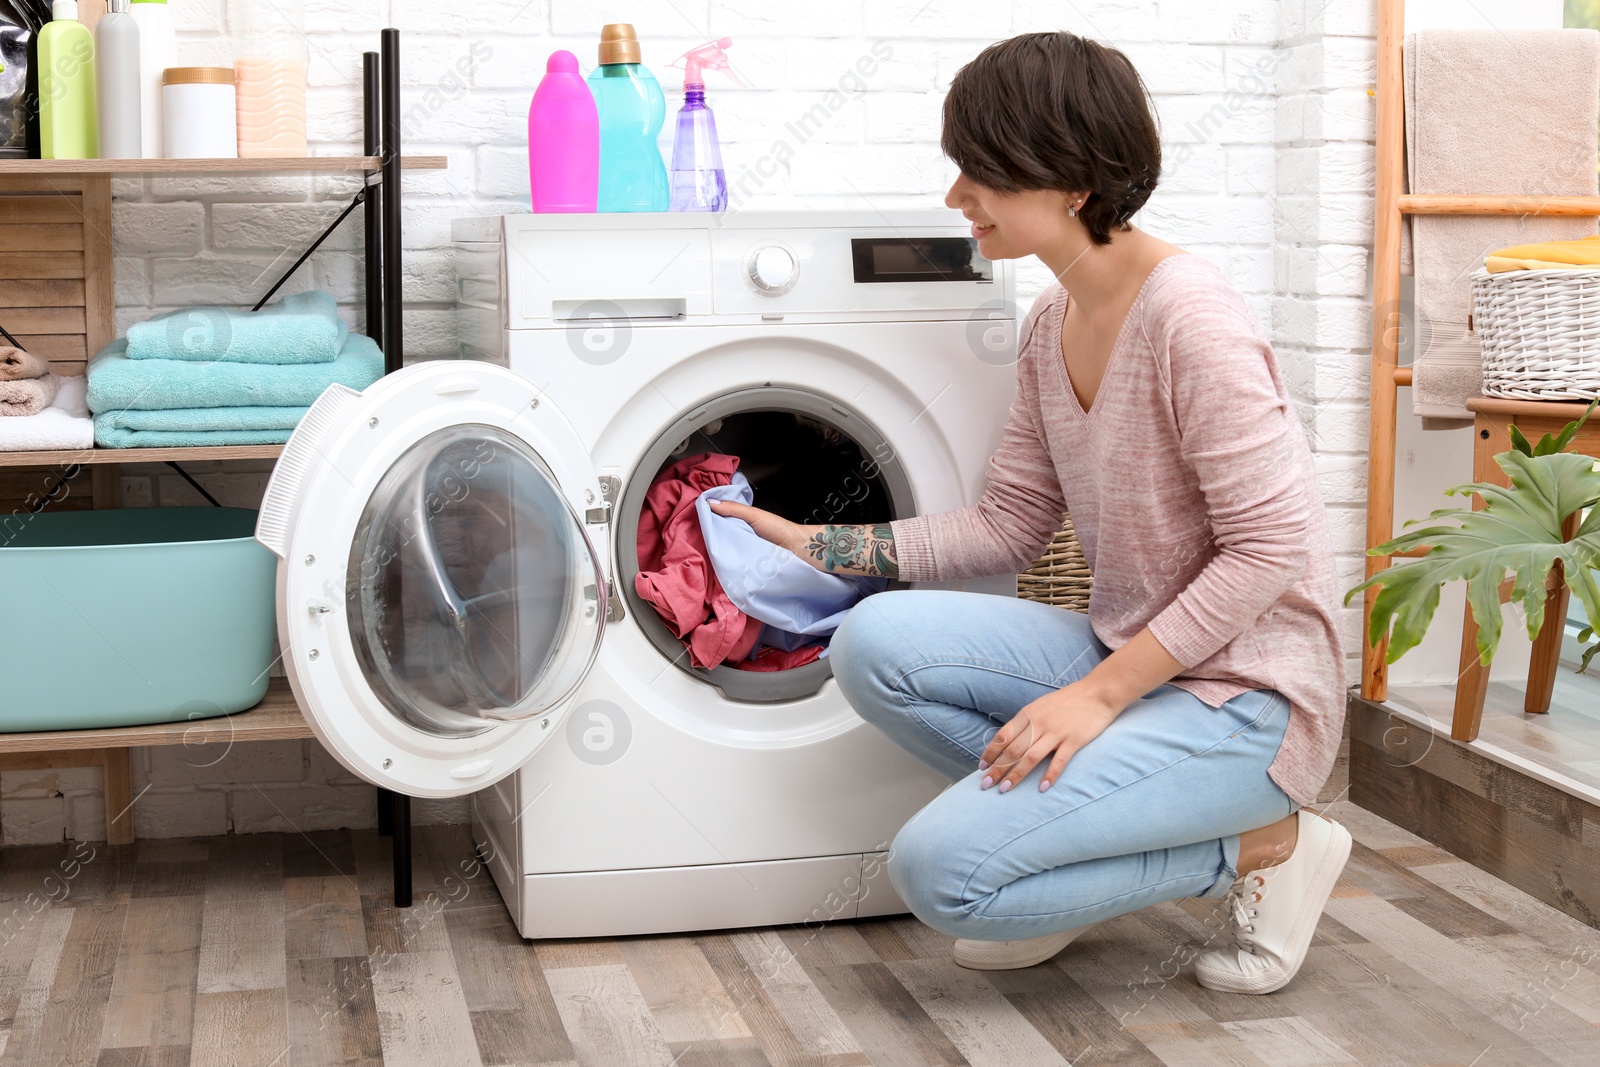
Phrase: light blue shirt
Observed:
(799, 604)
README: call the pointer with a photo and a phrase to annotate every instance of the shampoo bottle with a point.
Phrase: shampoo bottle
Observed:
(158, 50)
(68, 127)
(632, 108)
(698, 181)
(563, 140)
(116, 49)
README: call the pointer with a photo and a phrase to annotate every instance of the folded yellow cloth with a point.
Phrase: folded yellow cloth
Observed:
(1550, 255)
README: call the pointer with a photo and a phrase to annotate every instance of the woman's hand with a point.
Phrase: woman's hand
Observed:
(864, 550)
(769, 527)
(1061, 723)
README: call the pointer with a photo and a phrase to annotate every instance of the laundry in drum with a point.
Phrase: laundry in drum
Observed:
(794, 600)
(731, 597)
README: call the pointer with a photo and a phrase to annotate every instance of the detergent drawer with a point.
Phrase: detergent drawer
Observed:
(612, 266)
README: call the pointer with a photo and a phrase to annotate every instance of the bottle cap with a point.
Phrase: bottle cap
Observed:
(64, 10)
(196, 75)
(619, 44)
(710, 56)
(562, 62)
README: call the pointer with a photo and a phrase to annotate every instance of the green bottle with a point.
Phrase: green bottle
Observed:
(68, 124)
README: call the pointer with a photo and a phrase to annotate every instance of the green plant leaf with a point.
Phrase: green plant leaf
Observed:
(1570, 432)
(1518, 530)
(1519, 442)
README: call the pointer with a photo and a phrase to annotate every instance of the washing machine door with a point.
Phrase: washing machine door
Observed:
(439, 598)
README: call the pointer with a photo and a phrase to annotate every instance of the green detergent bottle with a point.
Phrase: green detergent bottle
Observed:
(69, 126)
(633, 176)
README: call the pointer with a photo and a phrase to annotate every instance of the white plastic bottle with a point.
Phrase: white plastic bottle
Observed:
(158, 50)
(116, 48)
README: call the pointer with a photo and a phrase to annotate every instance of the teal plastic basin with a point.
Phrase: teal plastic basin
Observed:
(129, 617)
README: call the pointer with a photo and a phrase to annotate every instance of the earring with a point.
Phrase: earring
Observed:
(1072, 211)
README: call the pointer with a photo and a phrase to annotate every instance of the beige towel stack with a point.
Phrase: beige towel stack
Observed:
(26, 385)
(1492, 113)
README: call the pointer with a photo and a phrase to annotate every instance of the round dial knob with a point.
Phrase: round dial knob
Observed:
(772, 270)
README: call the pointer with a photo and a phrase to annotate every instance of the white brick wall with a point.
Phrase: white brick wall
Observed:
(1265, 111)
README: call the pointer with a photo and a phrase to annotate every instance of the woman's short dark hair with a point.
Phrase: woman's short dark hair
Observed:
(1057, 111)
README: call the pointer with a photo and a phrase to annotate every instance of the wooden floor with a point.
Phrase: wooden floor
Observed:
(282, 949)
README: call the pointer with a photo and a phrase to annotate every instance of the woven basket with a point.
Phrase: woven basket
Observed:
(1061, 576)
(1540, 331)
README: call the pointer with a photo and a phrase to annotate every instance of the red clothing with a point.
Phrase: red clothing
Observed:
(676, 576)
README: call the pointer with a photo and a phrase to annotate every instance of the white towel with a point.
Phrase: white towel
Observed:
(1469, 98)
(64, 425)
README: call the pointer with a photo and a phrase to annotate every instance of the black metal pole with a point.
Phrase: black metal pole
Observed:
(385, 812)
(402, 850)
(372, 145)
(393, 331)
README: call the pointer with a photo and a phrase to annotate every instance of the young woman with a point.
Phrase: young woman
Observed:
(1160, 747)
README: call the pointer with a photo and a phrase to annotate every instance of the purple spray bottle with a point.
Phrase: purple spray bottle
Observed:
(563, 140)
(698, 181)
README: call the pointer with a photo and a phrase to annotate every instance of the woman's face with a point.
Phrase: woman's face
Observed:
(1013, 225)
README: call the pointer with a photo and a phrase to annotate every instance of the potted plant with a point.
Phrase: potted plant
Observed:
(1520, 529)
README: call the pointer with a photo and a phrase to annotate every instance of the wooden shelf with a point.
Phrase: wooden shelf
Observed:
(138, 455)
(1565, 410)
(1579, 206)
(283, 165)
(276, 718)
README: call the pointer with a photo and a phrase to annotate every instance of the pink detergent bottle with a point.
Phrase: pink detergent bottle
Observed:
(563, 140)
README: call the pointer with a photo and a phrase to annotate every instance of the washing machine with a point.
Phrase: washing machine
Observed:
(458, 549)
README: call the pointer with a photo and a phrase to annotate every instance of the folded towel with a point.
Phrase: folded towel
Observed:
(196, 427)
(1463, 139)
(28, 396)
(117, 382)
(1549, 255)
(303, 328)
(63, 426)
(15, 363)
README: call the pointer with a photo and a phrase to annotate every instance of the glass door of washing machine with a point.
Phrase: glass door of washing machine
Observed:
(440, 598)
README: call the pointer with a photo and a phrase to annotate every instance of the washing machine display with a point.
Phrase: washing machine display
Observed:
(919, 259)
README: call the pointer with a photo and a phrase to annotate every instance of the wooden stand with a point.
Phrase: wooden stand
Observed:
(1492, 416)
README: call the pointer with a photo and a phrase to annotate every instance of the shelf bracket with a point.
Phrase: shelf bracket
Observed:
(355, 202)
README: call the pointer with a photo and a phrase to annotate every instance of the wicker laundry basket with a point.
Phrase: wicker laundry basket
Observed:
(1061, 576)
(1540, 331)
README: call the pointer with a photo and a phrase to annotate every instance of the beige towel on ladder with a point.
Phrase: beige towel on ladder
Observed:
(1492, 113)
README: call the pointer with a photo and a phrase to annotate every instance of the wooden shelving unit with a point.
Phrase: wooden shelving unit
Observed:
(56, 284)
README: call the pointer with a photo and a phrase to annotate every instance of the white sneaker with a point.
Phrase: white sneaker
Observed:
(1275, 912)
(1010, 955)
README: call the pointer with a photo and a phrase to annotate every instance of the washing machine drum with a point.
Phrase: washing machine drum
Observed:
(440, 600)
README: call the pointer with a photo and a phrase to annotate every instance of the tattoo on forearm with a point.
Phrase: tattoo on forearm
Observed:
(856, 549)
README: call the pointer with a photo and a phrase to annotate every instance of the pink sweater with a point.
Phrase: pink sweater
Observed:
(1194, 496)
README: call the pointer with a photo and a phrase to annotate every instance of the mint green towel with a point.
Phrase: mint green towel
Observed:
(196, 427)
(117, 383)
(303, 328)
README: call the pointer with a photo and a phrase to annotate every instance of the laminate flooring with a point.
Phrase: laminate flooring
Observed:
(284, 950)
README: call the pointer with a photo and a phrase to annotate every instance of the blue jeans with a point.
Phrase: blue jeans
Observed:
(1147, 812)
